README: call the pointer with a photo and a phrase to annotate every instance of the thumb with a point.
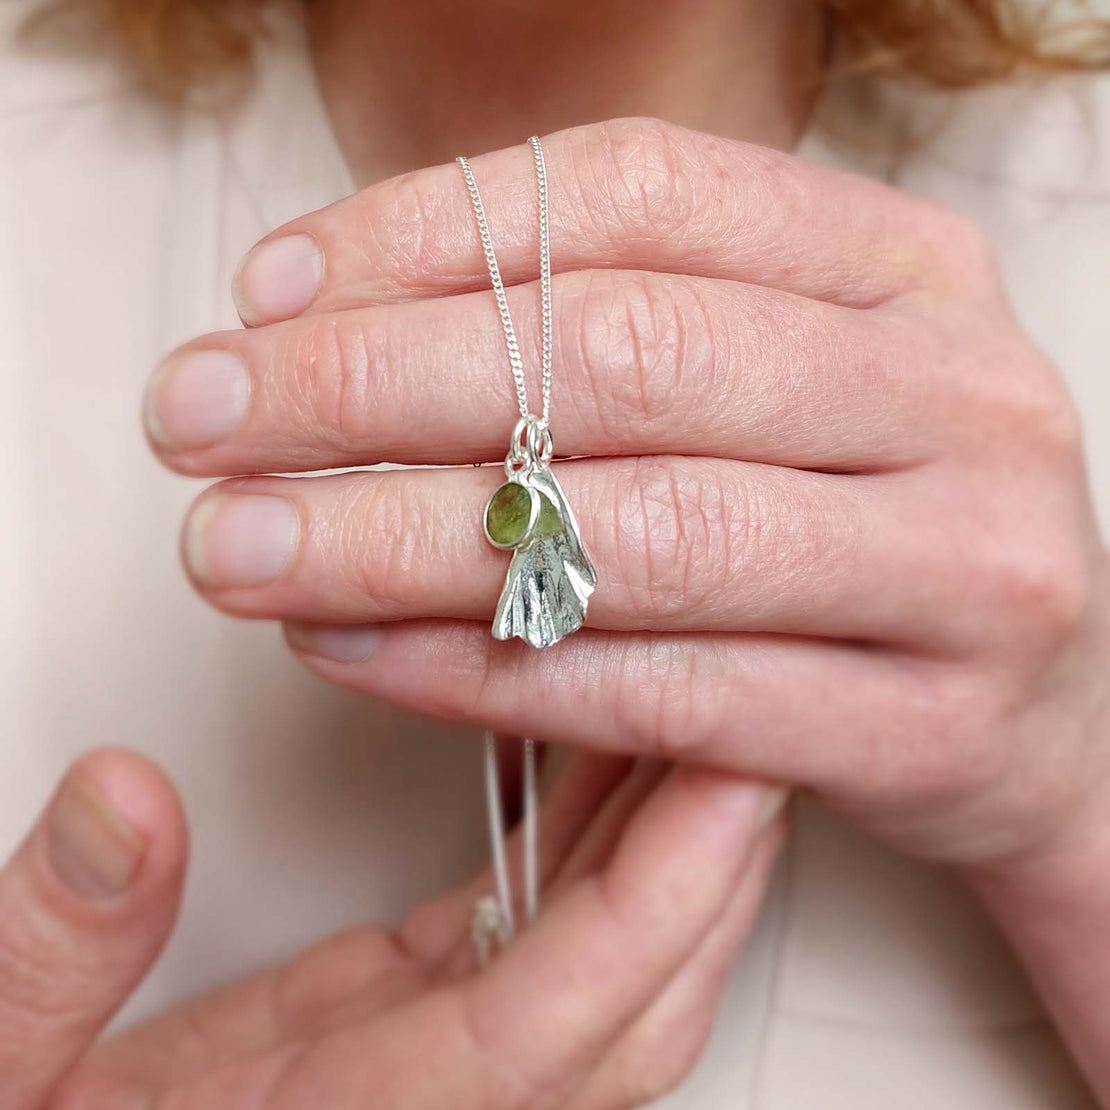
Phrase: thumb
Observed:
(86, 903)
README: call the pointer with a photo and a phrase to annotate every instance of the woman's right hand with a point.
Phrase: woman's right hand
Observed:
(603, 1003)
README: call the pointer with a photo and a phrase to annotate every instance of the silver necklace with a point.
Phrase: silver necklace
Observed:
(516, 363)
(550, 578)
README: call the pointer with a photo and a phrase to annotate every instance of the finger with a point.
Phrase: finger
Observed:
(343, 980)
(85, 905)
(595, 847)
(663, 1044)
(668, 365)
(686, 848)
(631, 194)
(231, 1035)
(436, 930)
(581, 974)
(678, 543)
(729, 701)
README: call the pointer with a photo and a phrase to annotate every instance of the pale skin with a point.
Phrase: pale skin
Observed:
(837, 504)
(622, 986)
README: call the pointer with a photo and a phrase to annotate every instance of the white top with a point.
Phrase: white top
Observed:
(872, 982)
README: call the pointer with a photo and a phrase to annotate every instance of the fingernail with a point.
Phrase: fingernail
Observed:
(93, 850)
(197, 399)
(238, 540)
(774, 802)
(337, 643)
(278, 279)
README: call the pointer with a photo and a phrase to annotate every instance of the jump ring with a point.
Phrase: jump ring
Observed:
(540, 446)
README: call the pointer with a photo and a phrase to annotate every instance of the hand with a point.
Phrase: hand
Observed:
(602, 1004)
(836, 497)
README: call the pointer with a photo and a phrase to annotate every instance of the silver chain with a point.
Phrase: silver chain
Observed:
(516, 362)
(531, 444)
(545, 278)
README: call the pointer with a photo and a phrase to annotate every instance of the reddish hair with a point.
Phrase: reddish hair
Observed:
(178, 47)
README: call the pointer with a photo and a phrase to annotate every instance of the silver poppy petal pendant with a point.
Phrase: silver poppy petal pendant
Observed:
(551, 577)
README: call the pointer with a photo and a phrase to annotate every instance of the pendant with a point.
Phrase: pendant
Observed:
(551, 577)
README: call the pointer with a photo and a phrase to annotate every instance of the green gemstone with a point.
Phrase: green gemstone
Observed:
(550, 522)
(508, 514)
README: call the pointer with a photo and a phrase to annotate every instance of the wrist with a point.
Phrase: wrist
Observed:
(1053, 903)
(1069, 870)
(1069, 855)
(1054, 907)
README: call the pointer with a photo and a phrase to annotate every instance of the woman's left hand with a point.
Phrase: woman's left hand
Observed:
(601, 1005)
(835, 497)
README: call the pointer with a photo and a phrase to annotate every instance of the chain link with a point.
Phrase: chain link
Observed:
(530, 447)
(516, 362)
(545, 278)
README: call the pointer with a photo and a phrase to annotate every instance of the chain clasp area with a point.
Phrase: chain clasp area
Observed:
(530, 447)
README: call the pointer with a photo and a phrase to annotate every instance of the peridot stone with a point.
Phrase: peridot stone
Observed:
(509, 513)
(550, 522)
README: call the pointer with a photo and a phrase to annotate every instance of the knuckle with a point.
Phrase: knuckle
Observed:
(961, 247)
(1043, 417)
(968, 760)
(636, 344)
(1047, 591)
(1061, 430)
(37, 987)
(402, 223)
(695, 531)
(661, 700)
(999, 392)
(644, 170)
(380, 533)
(684, 531)
(515, 1086)
(493, 675)
(957, 710)
(328, 378)
(969, 245)
(334, 970)
(1033, 592)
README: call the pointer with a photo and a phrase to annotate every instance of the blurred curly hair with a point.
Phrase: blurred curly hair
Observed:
(178, 48)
